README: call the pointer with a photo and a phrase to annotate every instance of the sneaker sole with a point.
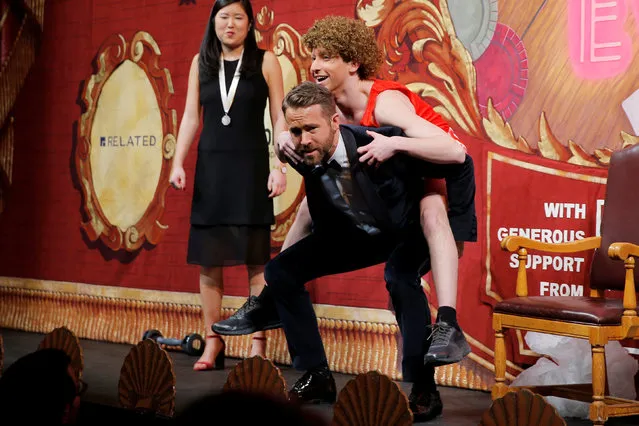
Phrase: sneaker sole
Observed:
(432, 359)
(245, 331)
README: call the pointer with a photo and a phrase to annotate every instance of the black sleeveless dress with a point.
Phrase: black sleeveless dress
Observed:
(231, 213)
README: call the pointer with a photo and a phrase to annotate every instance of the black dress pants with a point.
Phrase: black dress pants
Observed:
(336, 251)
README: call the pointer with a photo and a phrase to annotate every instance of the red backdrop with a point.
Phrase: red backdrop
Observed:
(40, 228)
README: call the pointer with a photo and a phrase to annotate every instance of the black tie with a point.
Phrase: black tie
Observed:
(334, 165)
(343, 197)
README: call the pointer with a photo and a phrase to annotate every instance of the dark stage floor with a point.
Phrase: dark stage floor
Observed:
(102, 363)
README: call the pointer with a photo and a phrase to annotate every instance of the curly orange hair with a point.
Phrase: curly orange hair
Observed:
(348, 38)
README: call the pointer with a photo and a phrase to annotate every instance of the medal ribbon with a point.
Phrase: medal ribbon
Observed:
(227, 98)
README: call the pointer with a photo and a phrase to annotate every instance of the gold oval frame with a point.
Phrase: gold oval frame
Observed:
(143, 51)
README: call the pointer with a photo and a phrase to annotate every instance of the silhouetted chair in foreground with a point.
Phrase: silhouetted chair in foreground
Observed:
(64, 339)
(372, 399)
(521, 408)
(147, 380)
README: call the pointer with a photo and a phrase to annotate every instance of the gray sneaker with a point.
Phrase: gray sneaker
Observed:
(448, 345)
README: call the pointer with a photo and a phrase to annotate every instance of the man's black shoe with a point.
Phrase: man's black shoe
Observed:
(448, 345)
(315, 386)
(425, 405)
(256, 314)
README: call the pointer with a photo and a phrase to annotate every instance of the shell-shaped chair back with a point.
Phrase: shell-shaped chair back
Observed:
(147, 380)
(372, 399)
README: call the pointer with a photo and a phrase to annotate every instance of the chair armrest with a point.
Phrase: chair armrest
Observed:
(627, 252)
(623, 251)
(515, 242)
(521, 244)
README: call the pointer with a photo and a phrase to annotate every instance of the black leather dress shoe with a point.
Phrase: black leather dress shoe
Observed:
(425, 405)
(314, 387)
(258, 313)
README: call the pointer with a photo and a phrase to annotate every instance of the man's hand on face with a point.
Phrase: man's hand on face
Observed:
(380, 149)
(286, 148)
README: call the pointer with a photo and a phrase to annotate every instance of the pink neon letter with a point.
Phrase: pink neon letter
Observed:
(599, 47)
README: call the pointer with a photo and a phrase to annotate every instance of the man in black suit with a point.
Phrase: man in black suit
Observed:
(362, 215)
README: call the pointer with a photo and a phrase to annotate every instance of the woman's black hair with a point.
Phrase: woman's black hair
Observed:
(211, 48)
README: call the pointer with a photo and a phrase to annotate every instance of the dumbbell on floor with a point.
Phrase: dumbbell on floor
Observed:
(192, 344)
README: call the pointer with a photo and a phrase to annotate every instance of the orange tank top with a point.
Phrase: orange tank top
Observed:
(422, 109)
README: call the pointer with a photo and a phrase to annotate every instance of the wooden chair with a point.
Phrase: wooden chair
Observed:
(596, 317)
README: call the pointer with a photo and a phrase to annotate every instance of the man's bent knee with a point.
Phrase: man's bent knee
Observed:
(278, 277)
(398, 283)
(273, 275)
(434, 215)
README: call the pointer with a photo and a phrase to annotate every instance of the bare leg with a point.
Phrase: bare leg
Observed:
(256, 284)
(448, 344)
(301, 226)
(211, 290)
(442, 246)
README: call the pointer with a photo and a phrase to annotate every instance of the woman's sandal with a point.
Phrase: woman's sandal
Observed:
(219, 358)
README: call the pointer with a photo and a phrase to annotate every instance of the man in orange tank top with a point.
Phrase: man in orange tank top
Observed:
(345, 59)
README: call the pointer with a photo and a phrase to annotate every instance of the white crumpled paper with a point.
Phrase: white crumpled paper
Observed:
(573, 364)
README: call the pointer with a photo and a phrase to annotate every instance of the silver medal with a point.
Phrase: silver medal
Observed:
(227, 98)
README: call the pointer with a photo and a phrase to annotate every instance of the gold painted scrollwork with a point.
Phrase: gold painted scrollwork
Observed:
(373, 12)
(286, 43)
(629, 139)
(501, 133)
(107, 181)
(421, 50)
(169, 144)
(548, 146)
(441, 69)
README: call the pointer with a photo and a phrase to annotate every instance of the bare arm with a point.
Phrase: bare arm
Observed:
(424, 140)
(273, 73)
(188, 127)
(191, 117)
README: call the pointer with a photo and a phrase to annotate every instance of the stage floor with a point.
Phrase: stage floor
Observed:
(103, 360)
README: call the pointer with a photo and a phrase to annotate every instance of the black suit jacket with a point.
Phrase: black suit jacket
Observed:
(392, 190)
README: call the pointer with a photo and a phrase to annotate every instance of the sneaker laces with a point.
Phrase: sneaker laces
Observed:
(250, 302)
(441, 334)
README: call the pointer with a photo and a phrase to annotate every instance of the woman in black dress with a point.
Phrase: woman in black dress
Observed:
(232, 210)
